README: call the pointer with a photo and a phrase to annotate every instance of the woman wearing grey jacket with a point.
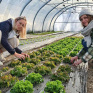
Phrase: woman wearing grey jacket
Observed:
(86, 54)
(10, 30)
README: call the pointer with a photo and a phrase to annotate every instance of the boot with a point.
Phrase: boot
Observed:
(1, 63)
(2, 57)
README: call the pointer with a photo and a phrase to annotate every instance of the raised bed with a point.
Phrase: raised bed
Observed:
(75, 82)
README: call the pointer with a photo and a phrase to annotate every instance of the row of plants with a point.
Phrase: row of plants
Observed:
(9, 80)
(64, 46)
(27, 87)
(48, 58)
(62, 73)
(76, 49)
(37, 39)
(43, 33)
(21, 67)
(32, 79)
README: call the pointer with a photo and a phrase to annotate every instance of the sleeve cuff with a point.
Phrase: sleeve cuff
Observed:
(86, 57)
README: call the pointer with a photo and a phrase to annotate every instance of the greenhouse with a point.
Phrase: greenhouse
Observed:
(46, 46)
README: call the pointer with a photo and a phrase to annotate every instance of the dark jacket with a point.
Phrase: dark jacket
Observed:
(6, 27)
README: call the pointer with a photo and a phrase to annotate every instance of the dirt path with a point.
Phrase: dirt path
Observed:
(90, 78)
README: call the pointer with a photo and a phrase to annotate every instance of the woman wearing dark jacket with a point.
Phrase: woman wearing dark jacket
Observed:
(10, 30)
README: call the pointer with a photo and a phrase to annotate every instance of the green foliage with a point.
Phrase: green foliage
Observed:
(55, 59)
(43, 70)
(73, 53)
(62, 76)
(62, 73)
(35, 61)
(32, 55)
(54, 87)
(34, 78)
(5, 69)
(0, 91)
(22, 87)
(19, 71)
(28, 65)
(67, 59)
(59, 56)
(42, 58)
(25, 60)
(37, 53)
(64, 68)
(14, 63)
(41, 33)
(49, 64)
(46, 53)
(41, 50)
(64, 46)
(7, 81)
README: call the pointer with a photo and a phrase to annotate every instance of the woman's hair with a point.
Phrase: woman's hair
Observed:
(23, 32)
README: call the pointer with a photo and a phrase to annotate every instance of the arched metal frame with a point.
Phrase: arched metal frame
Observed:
(64, 9)
(0, 1)
(47, 20)
(62, 13)
(50, 11)
(66, 23)
(25, 7)
(37, 13)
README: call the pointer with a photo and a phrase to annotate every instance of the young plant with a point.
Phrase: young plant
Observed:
(64, 68)
(73, 53)
(67, 59)
(42, 58)
(28, 65)
(7, 81)
(37, 53)
(22, 87)
(32, 55)
(49, 64)
(25, 60)
(19, 71)
(55, 59)
(46, 53)
(54, 87)
(43, 70)
(34, 78)
(62, 76)
(59, 56)
(34, 61)
(5, 69)
(14, 63)
(41, 50)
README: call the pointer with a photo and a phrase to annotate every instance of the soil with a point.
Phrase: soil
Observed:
(90, 78)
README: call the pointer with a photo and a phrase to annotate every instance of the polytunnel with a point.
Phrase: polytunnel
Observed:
(42, 15)
(60, 19)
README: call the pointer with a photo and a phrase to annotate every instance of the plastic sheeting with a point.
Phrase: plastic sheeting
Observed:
(42, 15)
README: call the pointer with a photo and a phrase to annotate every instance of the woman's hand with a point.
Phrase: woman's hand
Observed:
(74, 59)
(77, 62)
(20, 56)
(26, 55)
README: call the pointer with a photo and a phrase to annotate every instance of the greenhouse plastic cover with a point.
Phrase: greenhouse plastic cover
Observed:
(46, 15)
